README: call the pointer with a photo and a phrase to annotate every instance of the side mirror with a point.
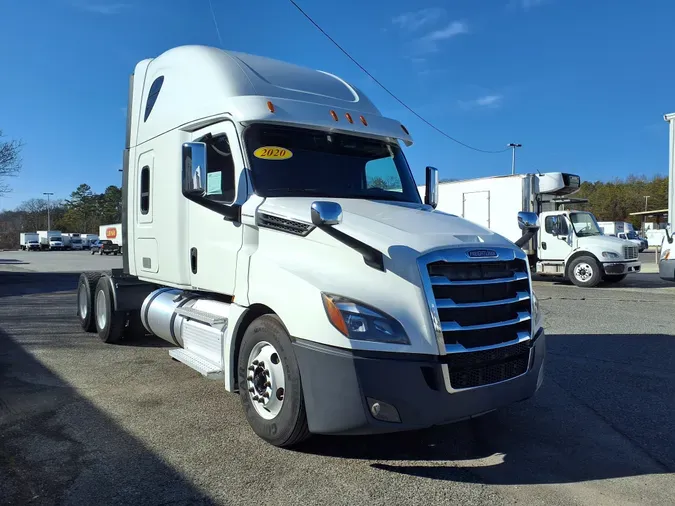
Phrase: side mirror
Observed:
(194, 169)
(326, 214)
(528, 221)
(431, 190)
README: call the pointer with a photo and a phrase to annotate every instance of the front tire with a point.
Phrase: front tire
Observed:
(85, 300)
(269, 383)
(109, 323)
(584, 271)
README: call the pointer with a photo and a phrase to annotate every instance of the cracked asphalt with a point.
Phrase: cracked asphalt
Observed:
(85, 423)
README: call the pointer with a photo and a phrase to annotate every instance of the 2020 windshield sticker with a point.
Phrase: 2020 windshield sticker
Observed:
(272, 153)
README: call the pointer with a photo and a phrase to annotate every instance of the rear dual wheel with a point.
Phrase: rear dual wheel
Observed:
(95, 308)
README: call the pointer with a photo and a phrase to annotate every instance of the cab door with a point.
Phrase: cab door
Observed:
(556, 238)
(214, 242)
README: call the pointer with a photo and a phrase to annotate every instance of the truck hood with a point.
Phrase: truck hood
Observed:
(385, 225)
(610, 243)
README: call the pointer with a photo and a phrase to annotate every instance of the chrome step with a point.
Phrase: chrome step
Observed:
(198, 363)
(201, 316)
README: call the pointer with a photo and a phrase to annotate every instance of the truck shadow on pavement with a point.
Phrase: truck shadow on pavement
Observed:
(13, 283)
(57, 447)
(604, 411)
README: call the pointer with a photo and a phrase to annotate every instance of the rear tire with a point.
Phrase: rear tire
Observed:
(85, 300)
(286, 424)
(109, 323)
(613, 278)
(584, 271)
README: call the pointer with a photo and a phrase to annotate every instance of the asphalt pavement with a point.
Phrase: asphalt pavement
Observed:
(86, 423)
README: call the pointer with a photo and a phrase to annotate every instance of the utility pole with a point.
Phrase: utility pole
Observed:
(513, 146)
(49, 218)
(646, 200)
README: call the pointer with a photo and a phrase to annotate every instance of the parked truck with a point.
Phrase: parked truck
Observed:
(623, 230)
(50, 240)
(570, 243)
(263, 247)
(72, 241)
(667, 256)
(29, 241)
(88, 239)
(112, 233)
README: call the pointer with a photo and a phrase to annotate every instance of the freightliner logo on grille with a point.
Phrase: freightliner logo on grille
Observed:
(481, 253)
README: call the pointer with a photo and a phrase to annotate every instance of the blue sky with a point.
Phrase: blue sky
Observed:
(582, 84)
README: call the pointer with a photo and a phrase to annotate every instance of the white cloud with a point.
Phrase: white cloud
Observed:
(453, 29)
(103, 8)
(486, 101)
(414, 20)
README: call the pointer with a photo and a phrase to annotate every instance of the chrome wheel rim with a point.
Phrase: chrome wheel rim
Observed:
(265, 380)
(82, 301)
(583, 271)
(101, 316)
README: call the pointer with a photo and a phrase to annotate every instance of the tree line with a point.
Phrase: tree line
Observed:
(83, 212)
(615, 200)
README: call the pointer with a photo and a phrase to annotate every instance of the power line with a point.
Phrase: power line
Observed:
(387, 90)
(215, 23)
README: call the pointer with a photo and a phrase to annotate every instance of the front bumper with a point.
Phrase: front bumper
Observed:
(340, 386)
(622, 267)
(667, 269)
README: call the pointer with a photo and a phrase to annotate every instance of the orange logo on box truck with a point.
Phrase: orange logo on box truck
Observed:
(111, 233)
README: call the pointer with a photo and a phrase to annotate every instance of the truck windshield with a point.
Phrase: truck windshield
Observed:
(584, 224)
(297, 162)
(632, 235)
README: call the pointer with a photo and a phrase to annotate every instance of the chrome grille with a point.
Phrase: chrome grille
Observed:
(481, 303)
(482, 311)
(630, 252)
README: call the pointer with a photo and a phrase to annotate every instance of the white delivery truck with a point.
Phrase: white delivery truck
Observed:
(50, 240)
(667, 257)
(88, 239)
(113, 233)
(29, 241)
(72, 241)
(261, 243)
(569, 244)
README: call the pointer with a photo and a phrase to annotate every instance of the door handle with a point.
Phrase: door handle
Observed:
(193, 260)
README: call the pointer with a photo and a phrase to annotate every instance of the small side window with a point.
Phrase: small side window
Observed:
(551, 224)
(152, 96)
(145, 190)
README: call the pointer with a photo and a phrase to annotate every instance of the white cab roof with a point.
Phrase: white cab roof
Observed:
(201, 81)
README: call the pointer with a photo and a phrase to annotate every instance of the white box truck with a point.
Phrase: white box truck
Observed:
(72, 241)
(50, 240)
(88, 239)
(570, 244)
(263, 245)
(667, 256)
(623, 230)
(29, 241)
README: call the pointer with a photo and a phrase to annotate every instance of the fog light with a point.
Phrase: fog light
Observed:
(383, 411)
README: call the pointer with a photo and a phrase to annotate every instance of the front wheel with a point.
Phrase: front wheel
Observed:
(584, 271)
(613, 278)
(269, 383)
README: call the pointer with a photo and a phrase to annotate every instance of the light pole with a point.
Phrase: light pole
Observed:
(513, 146)
(646, 199)
(49, 218)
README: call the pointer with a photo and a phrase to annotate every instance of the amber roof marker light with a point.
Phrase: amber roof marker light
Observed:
(270, 106)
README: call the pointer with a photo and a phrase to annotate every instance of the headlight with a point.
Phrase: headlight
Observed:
(357, 321)
(537, 316)
(610, 254)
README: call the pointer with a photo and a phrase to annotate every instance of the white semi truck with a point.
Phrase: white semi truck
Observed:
(261, 243)
(569, 244)
(50, 240)
(667, 257)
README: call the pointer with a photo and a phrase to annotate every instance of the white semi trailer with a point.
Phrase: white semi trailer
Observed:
(570, 243)
(260, 242)
(667, 257)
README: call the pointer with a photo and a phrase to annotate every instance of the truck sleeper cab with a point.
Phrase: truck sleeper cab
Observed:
(274, 235)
